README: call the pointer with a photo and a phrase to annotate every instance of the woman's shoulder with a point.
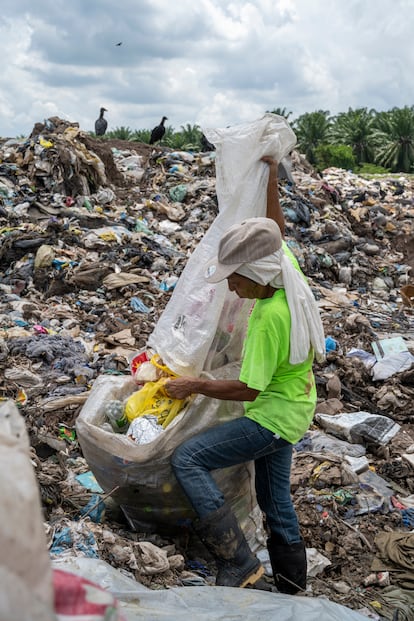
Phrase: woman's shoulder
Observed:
(275, 308)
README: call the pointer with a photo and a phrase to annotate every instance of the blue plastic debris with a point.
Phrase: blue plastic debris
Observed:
(330, 344)
(88, 481)
(169, 283)
(94, 509)
(67, 539)
(138, 306)
(408, 517)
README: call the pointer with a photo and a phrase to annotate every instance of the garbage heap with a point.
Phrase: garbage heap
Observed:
(94, 236)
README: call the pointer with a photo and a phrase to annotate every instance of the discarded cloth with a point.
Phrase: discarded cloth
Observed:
(396, 554)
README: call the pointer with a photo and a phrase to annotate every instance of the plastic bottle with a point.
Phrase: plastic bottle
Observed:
(115, 414)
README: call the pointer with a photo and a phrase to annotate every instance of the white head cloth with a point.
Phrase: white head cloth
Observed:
(306, 328)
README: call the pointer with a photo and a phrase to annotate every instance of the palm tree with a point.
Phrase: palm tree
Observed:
(141, 135)
(192, 133)
(311, 130)
(120, 133)
(188, 139)
(395, 130)
(280, 112)
(355, 128)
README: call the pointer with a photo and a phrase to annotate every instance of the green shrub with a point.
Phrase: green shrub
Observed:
(332, 155)
(371, 169)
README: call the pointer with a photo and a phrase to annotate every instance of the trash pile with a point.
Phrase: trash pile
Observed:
(94, 236)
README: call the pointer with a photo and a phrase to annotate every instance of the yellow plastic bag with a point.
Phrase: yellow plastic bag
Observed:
(153, 400)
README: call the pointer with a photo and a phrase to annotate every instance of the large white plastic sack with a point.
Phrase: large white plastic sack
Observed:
(26, 590)
(202, 326)
(139, 603)
(148, 491)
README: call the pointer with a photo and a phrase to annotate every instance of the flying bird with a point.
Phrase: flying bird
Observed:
(120, 43)
(158, 131)
(101, 124)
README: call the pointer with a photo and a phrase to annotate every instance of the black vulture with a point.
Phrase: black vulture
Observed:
(101, 124)
(158, 131)
(206, 145)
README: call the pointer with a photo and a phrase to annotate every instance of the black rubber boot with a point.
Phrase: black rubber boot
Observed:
(221, 534)
(288, 565)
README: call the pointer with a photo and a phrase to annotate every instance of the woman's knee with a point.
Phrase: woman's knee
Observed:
(180, 457)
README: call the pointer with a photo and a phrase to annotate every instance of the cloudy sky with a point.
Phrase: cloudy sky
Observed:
(209, 62)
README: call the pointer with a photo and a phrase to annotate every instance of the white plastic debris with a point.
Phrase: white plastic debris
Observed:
(357, 427)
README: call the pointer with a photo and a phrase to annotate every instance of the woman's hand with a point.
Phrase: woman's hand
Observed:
(180, 387)
(269, 159)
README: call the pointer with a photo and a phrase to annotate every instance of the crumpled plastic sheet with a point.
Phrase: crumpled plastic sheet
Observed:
(319, 442)
(204, 603)
(359, 426)
(392, 364)
(74, 538)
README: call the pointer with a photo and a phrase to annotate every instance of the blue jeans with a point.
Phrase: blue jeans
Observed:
(235, 442)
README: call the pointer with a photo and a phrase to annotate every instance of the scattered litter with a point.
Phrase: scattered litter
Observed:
(89, 262)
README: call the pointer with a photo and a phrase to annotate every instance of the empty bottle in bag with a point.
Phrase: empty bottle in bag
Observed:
(115, 414)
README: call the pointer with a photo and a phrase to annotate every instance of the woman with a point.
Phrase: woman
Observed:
(277, 386)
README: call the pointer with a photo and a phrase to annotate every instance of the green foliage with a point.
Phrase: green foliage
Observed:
(356, 129)
(339, 156)
(311, 130)
(141, 135)
(120, 133)
(396, 139)
(383, 140)
(280, 112)
(188, 139)
(370, 169)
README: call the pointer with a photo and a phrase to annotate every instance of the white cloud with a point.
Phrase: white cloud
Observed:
(210, 61)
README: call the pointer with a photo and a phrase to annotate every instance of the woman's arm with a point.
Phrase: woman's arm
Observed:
(273, 209)
(227, 390)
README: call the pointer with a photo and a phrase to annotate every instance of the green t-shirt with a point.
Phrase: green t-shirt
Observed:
(287, 398)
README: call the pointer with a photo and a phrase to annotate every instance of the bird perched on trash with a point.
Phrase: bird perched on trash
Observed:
(101, 124)
(206, 145)
(158, 131)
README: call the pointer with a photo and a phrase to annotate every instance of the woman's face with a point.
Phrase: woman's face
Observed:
(246, 288)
